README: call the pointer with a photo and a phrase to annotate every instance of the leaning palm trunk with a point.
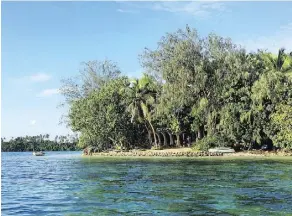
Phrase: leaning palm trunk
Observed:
(159, 139)
(154, 134)
(149, 134)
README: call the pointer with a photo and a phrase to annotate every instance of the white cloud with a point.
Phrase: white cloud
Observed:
(198, 9)
(127, 11)
(48, 92)
(201, 9)
(40, 77)
(32, 122)
(281, 38)
(35, 78)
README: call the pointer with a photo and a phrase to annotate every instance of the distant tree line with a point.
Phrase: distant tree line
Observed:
(201, 91)
(40, 143)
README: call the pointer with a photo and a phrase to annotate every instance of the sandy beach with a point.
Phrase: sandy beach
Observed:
(188, 152)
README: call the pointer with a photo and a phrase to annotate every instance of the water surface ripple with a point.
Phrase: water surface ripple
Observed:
(63, 183)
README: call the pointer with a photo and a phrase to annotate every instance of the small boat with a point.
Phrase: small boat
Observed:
(222, 150)
(38, 153)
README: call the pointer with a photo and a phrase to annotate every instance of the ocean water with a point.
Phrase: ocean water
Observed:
(64, 183)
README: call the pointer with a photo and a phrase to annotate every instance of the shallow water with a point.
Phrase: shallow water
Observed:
(63, 183)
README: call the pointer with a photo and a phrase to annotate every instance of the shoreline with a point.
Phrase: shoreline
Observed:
(189, 153)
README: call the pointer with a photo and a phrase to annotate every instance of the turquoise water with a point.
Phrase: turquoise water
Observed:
(63, 183)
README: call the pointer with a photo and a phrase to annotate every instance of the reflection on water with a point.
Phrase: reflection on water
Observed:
(63, 183)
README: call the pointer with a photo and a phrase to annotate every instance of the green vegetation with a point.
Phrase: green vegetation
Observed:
(205, 91)
(39, 143)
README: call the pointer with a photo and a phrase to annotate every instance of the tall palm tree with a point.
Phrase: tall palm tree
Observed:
(142, 96)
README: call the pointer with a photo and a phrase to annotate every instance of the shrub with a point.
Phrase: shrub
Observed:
(210, 142)
(156, 148)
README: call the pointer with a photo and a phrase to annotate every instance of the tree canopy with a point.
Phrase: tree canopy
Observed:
(207, 90)
(40, 142)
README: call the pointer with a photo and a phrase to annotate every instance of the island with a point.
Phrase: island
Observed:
(196, 93)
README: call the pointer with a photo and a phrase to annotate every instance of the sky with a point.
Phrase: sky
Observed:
(44, 42)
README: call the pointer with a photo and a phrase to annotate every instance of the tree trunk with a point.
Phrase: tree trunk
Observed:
(153, 131)
(193, 136)
(159, 140)
(149, 134)
(183, 139)
(200, 133)
(178, 140)
(150, 138)
(170, 139)
(164, 139)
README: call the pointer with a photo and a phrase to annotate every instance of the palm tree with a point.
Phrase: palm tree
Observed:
(281, 62)
(142, 97)
(56, 138)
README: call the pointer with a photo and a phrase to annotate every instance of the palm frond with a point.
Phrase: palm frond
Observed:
(287, 64)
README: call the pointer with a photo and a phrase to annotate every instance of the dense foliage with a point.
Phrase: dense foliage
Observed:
(204, 91)
(39, 143)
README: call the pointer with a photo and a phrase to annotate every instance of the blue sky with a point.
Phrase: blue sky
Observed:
(43, 42)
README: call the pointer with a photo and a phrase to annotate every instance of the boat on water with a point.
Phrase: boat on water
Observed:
(38, 153)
